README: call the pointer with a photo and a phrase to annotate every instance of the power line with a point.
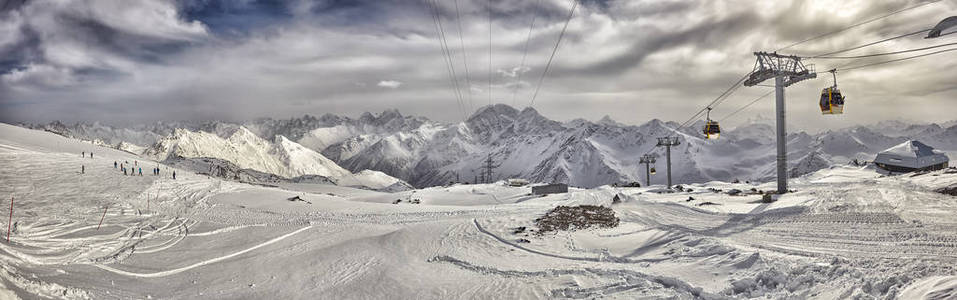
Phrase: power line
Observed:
(856, 25)
(521, 66)
(489, 5)
(886, 53)
(554, 50)
(468, 78)
(443, 43)
(448, 50)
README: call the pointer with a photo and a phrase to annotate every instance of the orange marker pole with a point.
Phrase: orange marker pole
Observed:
(103, 217)
(10, 223)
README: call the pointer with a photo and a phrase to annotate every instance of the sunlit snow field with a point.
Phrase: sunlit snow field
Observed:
(844, 233)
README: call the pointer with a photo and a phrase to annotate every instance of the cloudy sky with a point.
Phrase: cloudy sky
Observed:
(122, 61)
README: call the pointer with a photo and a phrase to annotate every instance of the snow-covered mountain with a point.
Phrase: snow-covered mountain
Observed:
(521, 143)
(233, 148)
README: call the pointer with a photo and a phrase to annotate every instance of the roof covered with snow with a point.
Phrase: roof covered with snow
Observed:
(911, 154)
(911, 149)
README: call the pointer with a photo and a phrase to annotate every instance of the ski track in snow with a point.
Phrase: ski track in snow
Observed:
(205, 262)
(843, 234)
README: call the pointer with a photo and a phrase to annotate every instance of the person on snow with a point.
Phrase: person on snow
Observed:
(83, 154)
(114, 164)
(91, 154)
(141, 171)
(124, 171)
(174, 174)
(82, 169)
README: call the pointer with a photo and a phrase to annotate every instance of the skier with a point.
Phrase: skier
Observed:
(174, 174)
(114, 164)
(91, 154)
(82, 169)
(141, 171)
(124, 171)
(83, 153)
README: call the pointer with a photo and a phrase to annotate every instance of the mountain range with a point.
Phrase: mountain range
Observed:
(520, 143)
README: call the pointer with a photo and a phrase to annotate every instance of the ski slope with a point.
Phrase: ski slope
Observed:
(844, 233)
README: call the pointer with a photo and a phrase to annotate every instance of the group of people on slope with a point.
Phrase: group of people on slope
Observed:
(83, 167)
(136, 169)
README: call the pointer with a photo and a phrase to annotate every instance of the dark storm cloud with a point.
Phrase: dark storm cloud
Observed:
(707, 34)
(111, 60)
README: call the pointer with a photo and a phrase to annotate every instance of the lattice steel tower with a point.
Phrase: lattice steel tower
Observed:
(786, 70)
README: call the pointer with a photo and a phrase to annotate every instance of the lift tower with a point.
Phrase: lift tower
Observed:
(786, 70)
(488, 167)
(667, 142)
(647, 160)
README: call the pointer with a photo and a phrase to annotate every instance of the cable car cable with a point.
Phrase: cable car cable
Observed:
(727, 93)
(443, 43)
(858, 24)
(868, 44)
(897, 60)
(696, 116)
(571, 12)
(886, 53)
(746, 105)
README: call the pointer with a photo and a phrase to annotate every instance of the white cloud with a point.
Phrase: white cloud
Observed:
(39, 76)
(392, 84)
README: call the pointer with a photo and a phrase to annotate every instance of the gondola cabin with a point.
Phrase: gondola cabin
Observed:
(832, 102)
(711, 130)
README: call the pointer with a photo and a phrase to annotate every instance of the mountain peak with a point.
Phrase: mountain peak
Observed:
(607, 120)
(390, 113)
(496, 111)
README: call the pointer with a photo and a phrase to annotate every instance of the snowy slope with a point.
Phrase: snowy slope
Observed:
(246, 150)
(848, 233)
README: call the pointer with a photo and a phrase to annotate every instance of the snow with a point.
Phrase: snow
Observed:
(911, 154)
(845, 232)
(910, 149)
(936, 287)
(239, 146)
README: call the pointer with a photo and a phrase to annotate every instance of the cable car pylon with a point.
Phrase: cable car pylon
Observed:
(667, 142)
(786, 70)
(647, 160)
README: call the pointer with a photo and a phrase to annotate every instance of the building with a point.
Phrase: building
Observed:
(911, 156)
(553, 188)
(516, 182)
